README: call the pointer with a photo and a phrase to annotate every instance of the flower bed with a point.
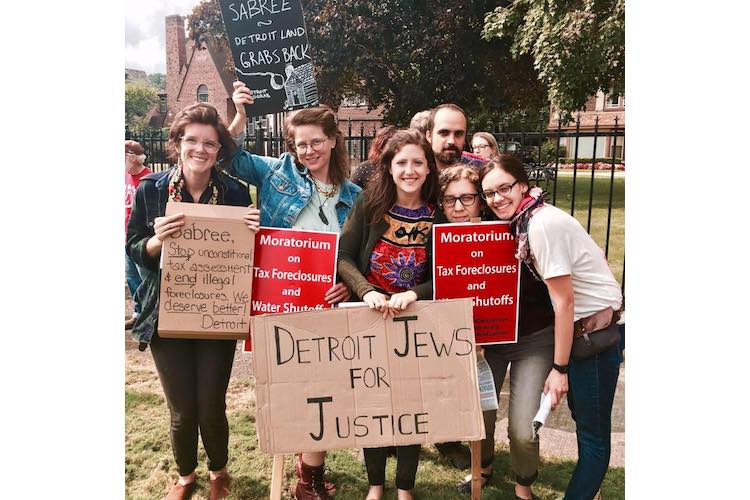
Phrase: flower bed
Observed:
(600, 165)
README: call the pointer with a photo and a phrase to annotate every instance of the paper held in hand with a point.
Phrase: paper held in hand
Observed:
(206, 274)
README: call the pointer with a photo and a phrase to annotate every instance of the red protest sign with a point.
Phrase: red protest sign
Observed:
(292, 271)
(477, 261)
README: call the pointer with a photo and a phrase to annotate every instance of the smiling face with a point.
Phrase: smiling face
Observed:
(460, 212)
(504, 206)
(448, 136)
(199, 148)
(409, 170)
(314, 148)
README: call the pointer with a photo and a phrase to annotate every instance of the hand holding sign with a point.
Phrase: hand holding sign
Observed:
(252, 218)
(240, 97)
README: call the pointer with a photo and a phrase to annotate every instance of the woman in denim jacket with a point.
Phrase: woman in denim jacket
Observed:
(308, 188)
(194, 373)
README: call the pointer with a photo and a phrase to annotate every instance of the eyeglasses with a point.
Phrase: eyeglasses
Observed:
(480, 147)
(315, 145)
(467, 200)
(503, 190)
(193, 143)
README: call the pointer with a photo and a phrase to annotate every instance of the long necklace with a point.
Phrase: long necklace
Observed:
(327, 193)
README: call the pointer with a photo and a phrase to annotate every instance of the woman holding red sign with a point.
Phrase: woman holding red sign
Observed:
(530, 359)
(384, 258)
(586, 296)
(307, 188)
(193, 373)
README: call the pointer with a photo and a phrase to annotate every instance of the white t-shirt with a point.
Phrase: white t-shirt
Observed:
(561, 246)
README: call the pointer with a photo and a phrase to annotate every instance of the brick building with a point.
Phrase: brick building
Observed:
(607, 107)
(195, 73)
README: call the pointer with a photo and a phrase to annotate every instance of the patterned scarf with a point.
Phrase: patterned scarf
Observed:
(519, 226)
(177, 184)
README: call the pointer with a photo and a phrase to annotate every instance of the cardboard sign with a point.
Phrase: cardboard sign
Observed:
(271, 53)
(477, 261)
(294, 269)
(347, 378)
(206, 277)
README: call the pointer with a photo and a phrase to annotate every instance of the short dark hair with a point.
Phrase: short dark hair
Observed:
(205, 114)
(507, 163)
(447, 105)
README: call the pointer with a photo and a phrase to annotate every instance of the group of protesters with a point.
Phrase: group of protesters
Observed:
(414, 178)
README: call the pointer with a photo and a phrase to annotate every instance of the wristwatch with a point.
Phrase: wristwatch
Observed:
(560, 368)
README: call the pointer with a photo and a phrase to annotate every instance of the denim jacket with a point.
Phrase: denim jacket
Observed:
(284, 189)
(149, 203)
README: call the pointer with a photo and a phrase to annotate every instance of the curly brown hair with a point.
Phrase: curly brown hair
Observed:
(207, 115)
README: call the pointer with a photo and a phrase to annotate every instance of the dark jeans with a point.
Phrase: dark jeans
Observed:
(592, 383)
(407, 460)
(133, 277)
(194, 375)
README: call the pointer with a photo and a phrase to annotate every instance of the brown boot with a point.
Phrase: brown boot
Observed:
(312, 484)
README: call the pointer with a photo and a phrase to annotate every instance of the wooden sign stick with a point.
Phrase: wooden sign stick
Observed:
(277, 473)
(476, 470)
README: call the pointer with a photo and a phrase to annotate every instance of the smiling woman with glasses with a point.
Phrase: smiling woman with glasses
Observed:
(587, 297)
(306, 188)
(194, 373)
(530, 359)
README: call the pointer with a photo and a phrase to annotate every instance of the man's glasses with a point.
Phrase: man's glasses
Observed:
(193, 143)
(315, 145)
(503, 190)
(467, 200)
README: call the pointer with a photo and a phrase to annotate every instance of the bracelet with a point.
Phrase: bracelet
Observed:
(560, 368)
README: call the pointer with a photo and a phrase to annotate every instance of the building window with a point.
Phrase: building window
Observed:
(616, 151)
(202, 93)
(613, 101)
(162, 103)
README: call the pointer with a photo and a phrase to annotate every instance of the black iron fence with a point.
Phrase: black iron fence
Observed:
(581, 171)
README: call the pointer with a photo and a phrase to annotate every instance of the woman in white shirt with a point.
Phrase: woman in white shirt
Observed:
(585, 297)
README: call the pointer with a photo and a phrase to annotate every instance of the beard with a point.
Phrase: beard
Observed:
(448, 155)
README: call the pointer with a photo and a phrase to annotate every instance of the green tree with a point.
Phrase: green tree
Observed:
(578, 46)
(407, 55)
(158, 80)
(140, 97)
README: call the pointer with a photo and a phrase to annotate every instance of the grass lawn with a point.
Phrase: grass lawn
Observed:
(150, 468)
(599, 206)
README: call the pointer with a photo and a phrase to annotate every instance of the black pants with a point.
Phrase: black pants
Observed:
(407, 460)
(194, 375)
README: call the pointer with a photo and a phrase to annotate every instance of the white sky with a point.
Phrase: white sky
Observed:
(144, 31)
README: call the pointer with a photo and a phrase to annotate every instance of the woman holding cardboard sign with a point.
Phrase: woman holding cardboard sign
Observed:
(308, 188)
(586, 296)
(384, 258)
(194, 373)
(530, 359)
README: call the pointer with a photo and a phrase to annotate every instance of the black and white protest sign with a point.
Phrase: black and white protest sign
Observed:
(271, 53)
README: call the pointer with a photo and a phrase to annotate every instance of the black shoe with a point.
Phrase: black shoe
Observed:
(465, 486)
(457, 454)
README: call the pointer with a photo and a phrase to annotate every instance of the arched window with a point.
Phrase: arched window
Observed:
(202, 93)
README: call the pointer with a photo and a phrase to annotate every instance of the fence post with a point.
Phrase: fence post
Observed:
(260, 145)
(611, 190)
(575, 165)
(557, 157)
(593, 165)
